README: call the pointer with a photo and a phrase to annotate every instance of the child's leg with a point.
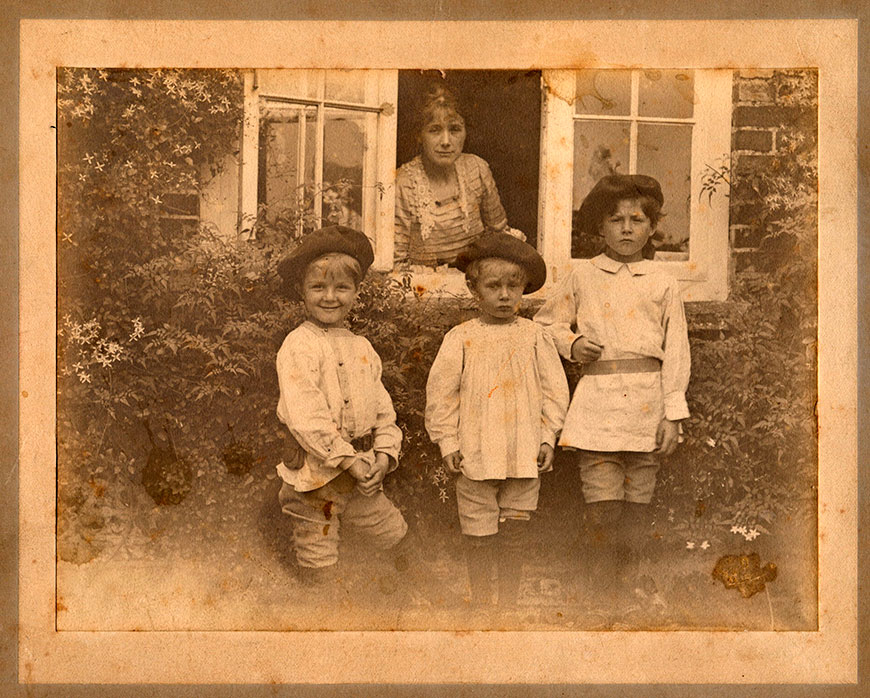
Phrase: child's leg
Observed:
(640, 479)
(602, 477)
(316, 524)
(376, 518)
(602, 528)
(478, 508)
(517, 499)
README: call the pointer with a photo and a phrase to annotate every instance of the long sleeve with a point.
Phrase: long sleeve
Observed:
(304, 409)
(387, 435)
(442, 394)
(558, 315)
(554, 388)
(403, 219)
(676, 364)
(492, 212)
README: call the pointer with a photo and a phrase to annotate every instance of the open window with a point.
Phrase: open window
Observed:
(674, 125)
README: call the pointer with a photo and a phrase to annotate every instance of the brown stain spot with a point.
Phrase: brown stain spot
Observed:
(364, 359)
(24, 393)
(98, 488)
(155, 534)
(326, 529)
(60, 605)
(468, 342)
(492, 391)
(327, 510)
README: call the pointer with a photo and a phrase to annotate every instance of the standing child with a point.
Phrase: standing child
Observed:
(495, 401)
(622, 319)
(335, 406)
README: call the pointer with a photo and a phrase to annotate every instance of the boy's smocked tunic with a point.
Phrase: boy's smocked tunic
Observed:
(496, 393)
(634, 311)
(331, 393)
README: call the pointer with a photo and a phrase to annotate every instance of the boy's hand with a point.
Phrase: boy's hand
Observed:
(585, 351)
(372, 482)
(667, 436)
(453, 462)
(359, 469)
(545, 458)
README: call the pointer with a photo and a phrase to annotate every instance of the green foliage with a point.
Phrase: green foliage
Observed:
(174, 324)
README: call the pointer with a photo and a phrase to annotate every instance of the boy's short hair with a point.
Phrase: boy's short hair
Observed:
(608, 191)
(333, 238)
(339, 261)
(475, 268)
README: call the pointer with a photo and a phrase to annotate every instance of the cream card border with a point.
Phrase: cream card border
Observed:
(829, 655)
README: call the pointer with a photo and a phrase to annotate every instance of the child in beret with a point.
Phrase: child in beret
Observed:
(621, 318)
(495, 401)
(335, 406)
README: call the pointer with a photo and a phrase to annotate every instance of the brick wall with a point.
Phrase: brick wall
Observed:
(775, 112)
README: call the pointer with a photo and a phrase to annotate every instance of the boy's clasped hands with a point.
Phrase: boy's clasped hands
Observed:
(369, 475)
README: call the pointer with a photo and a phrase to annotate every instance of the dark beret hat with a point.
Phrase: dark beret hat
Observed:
(504, 246)
(333, 238)
(609, 190)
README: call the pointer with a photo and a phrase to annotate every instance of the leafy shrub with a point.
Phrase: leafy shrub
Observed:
(176, 325)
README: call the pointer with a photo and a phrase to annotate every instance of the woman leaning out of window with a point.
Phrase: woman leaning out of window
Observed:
(445, 199)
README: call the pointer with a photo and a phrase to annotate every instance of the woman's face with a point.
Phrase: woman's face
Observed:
(443, 139)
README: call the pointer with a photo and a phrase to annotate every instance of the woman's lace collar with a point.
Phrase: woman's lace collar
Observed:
(424, 201)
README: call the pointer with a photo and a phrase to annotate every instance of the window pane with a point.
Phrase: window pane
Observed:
(287, 152)
(288, 82)
(667, 93)
(344, 144)
(603, 92)
(346, 85)
(600, 148)
(664, 151)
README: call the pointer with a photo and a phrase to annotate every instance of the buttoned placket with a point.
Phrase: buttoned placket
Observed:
(347, 419)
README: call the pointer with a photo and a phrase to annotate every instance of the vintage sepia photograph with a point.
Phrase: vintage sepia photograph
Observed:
(218, 467)
(480, 359)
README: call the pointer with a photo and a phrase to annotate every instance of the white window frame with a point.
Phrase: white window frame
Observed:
(307, 88)
(704, 276)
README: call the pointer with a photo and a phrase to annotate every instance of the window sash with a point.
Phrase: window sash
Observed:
(308, 88)
(704, 275)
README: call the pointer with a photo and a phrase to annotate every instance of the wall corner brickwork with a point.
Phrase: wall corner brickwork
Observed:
(774, 112)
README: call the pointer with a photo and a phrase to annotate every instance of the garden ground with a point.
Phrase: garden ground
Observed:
(221, 560)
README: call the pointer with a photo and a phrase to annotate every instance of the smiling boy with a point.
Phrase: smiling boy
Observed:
(334, 404)
(622, 320)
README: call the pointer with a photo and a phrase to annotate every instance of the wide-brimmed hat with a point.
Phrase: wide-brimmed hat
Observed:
(333, 238)
(599, 202)
(504, 246)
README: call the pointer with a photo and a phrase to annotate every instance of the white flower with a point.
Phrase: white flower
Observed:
(84, 377)
(705, 545)
(711, 442)
(442, 495)
(690, 545)
(752, 534)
